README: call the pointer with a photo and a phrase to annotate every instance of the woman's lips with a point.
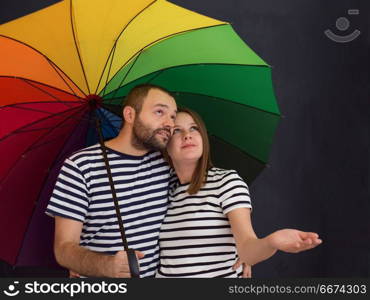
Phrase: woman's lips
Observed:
(188, 146)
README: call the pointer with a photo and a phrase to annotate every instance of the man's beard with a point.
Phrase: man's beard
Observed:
(145, 138)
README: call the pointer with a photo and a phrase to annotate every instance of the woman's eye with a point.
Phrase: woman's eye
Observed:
(192, 128)
(176, 130)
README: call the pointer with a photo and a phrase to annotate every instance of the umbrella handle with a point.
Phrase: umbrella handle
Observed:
(131, 256)
(133, 263)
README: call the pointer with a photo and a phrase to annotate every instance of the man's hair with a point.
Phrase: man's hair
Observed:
(135, 98)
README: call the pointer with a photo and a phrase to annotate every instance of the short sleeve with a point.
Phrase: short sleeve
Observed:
(233, 192)
(70, 195)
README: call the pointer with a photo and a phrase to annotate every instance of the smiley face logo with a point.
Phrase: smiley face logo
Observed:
(343, 24)
(12, 291)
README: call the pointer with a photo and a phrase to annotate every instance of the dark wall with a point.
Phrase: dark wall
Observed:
(10, 10)
(319, 174)
(318, 179)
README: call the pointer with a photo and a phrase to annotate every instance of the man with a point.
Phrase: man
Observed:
(87, 237)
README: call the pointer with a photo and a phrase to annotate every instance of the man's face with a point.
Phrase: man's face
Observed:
(153, 125)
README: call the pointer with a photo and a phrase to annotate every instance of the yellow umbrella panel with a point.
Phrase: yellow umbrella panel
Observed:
(90, 40)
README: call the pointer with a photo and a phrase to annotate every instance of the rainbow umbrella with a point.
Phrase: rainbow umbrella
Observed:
(73, 62)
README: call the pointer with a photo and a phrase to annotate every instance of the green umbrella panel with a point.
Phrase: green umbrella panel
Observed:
(213, 72)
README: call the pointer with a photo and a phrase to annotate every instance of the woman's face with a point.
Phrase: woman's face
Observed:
(186, 143)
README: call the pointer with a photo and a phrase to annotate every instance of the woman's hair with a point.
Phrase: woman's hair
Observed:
(204, 163)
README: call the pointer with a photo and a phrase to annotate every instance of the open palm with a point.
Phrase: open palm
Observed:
(294, 241)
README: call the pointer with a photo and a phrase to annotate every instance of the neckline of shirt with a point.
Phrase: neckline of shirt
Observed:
(188, 183)
(125, 155)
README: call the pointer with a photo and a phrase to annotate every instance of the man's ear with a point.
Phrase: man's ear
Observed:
(129, 114)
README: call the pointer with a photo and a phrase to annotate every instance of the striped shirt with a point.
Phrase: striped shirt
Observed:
(196, 238)
(82, 192)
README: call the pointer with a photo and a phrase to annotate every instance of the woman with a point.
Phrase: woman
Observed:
(209, 212)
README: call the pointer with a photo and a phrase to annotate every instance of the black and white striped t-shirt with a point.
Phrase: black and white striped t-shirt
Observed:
(196, 238)
(82, 192)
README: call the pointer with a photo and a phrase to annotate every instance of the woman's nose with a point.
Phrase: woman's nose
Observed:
(187, 136)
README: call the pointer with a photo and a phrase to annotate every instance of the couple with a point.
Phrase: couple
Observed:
(191, 220)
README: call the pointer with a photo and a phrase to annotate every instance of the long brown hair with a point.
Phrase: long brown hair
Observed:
(204, 163)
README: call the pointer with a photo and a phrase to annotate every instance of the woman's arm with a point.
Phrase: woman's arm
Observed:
(253, 250)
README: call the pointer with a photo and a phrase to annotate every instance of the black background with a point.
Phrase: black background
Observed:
(319, 178)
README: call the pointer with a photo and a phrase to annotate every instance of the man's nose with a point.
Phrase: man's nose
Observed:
(169, 122)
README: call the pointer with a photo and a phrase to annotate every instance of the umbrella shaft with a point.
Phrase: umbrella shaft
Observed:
(116, 205)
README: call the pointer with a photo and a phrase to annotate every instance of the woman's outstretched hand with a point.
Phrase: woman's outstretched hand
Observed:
(293, 241)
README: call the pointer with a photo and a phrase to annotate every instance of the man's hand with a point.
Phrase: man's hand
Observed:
(73, 274)
(117, 265)
(293, 241)
(82, 261)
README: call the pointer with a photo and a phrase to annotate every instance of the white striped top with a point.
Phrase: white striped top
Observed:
(82, 192)
(196, 238)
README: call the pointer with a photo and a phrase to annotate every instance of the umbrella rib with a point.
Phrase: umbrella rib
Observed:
(50, 141)
(33, 143)
(156, 75)
(45, 128)
(195, 64)
(56, 70)
(37, 121)
(107, 107)
(45, 92)
(222, 99)
(77, 49)
(231, 145)
(46, 58)
(162, 38)
(38, 82)
(237, 103)
(109, 123)
(110, 66)
(78, 124)
(187, 65)
(46, 142)
(113, 50)
(43, 184)
(123, 79)
(93, 119)
(38, 129)
(30, 109)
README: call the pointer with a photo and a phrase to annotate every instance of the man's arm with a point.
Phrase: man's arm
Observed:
(72, 256)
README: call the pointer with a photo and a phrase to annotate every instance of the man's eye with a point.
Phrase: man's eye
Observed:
(159, 112)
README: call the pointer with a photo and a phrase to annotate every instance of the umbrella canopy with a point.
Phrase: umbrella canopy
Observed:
(66, 65)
